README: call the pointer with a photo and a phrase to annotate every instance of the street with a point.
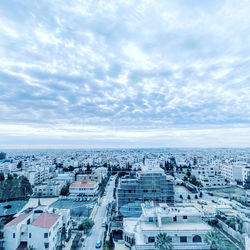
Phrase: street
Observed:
(97, 231)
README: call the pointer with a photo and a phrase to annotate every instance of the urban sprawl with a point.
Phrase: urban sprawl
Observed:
(141, 199)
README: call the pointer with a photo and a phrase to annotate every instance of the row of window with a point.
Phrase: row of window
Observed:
(151, 219)
(46, 235)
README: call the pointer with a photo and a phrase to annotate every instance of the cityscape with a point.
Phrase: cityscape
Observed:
(125, 125)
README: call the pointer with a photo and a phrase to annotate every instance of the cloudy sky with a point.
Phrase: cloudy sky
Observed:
(125, 73)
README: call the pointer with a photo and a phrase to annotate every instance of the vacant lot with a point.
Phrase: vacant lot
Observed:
(232, 192)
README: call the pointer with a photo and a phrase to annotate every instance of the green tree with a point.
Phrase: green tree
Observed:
(65, 190)
(2, 176)
(217, 241)
(10, 177)
(86, 225)
(25, 186)
(163, 242)
(111, 243)
(201, 194)
(20, 165)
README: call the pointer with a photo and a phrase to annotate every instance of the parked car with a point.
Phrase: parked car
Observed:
(98, 244)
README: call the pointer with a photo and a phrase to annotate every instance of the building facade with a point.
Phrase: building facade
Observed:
(151, 184)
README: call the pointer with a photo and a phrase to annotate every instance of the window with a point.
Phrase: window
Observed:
(14, 235)
(150, 219)
(183, 239)
(45, 235)
(29, 235)
(196, 238)
(185, 217)
(46, 245)
(151, 239)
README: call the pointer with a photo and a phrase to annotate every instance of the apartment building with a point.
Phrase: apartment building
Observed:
(235, 171)
(151, 184)
(209, 175)
(83, 188)
(52, 188)
(183, 224)
(36, 229)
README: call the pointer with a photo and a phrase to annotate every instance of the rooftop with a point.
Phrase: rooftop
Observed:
(46, 220)
(17, 220)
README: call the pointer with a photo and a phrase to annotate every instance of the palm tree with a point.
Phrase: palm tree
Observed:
(216, 241)
(163, 242)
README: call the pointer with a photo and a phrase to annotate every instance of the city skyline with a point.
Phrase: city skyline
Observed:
(128, 74)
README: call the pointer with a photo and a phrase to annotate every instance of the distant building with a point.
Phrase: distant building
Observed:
(184, 225)
(48, 189)
(235, 171)
(209, 175)
(151, 184)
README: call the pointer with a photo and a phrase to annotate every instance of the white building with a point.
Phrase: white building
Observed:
(37, 229)
(183, 224)
(49, 189)
(209, 175)
(83, 188)
(235, 171)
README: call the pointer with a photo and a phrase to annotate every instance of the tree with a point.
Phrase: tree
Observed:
(201, 195)
(20, 165)
(188, 173)
(196, 196)
(10, 177)
(181, 197)
(189, 198)
(111, 243)
(2, 176)
(86, 225)
(25, 188)
(65, 190)
(216, 241)
(163, 242)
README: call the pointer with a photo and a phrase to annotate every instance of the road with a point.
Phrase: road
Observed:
(97, 231)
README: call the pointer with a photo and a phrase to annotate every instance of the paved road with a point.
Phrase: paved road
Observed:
(97, 230)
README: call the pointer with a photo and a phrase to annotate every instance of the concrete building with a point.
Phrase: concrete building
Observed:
(209, 175)
(83, 188)
(52, 188)
(183, 224)
(236, 171)
(151, 184)
(35, 229)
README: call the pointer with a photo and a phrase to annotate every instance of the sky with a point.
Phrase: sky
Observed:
(125, 73)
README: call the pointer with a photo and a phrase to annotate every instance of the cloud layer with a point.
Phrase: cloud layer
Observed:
(160, 73)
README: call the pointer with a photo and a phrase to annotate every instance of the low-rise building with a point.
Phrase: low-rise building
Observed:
(184, 226)
(83, 188)
(36, 229)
